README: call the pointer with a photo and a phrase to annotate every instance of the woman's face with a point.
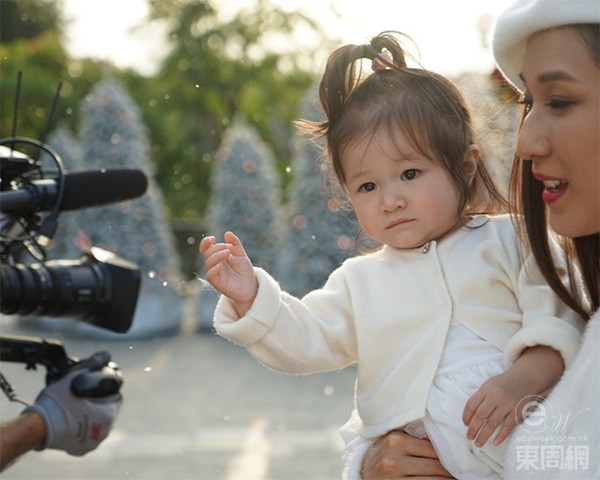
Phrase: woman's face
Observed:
(561, 132)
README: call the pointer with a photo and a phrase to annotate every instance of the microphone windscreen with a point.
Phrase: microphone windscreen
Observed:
(99, 187)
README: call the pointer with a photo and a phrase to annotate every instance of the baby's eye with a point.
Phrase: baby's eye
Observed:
(367, 187)
(410, 174)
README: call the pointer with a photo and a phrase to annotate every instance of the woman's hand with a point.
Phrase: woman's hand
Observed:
(398, 455)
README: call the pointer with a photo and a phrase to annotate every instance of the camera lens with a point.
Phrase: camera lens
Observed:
(104, 294)
(54, 288)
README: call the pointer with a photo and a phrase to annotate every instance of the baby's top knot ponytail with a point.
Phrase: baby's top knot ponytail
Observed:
(388, 52)
(343, 71)
(382, 61)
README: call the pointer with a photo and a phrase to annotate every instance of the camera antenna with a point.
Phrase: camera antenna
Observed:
(51, 114)
(16, 106)
(50, 222)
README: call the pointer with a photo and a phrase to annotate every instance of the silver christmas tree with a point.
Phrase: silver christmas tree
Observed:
(64, 246)
(320, 232)
(113, 136)
(246, 199)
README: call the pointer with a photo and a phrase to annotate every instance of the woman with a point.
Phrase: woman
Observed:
(549, 50)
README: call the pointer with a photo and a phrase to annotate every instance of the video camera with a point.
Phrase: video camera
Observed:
(99, 288)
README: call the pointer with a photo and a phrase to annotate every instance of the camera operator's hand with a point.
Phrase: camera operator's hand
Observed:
(79, 409)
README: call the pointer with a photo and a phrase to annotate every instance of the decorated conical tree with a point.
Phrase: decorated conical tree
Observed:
(63, 245)
(246, 199)
(113, 136)
(64, 143)
(319, 231)
(245, 194)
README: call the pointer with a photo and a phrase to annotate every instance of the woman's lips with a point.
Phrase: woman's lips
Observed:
(554, 188)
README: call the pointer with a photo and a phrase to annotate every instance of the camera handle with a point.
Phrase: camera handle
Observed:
(99, 376)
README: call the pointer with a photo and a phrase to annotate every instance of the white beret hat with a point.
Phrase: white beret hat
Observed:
(525, 17)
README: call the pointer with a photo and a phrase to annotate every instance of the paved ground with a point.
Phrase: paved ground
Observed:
(197, 407)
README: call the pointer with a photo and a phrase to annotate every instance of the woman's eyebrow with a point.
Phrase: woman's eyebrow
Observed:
(553, 76)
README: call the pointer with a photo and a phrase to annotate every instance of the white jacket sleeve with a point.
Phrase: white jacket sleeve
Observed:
(356, 447)
(546, 319)
(575, 400)
(296, 336)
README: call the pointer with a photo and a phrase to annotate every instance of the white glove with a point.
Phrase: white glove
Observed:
(79, 409)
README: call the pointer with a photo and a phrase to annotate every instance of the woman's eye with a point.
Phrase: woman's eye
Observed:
(527, 103)
(367, 187)
(558, 103)
(553, 103)
(410, 174)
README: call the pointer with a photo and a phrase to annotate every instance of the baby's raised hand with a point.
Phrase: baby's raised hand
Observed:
(229, 270)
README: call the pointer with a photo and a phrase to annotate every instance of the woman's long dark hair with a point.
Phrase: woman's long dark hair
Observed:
(525, 194)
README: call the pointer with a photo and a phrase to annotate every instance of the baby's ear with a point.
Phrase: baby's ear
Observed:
(471, 160)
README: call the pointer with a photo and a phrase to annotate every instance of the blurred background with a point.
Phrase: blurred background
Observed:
(202, 96)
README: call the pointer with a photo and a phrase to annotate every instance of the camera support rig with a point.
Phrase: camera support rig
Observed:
(100, 288)
(99, 377)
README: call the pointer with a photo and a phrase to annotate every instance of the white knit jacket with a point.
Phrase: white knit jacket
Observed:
(390, 311)
(566, 444)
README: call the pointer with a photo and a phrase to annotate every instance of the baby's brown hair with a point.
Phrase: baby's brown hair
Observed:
(425, 106)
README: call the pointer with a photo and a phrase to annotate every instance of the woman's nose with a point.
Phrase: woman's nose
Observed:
(533, 141)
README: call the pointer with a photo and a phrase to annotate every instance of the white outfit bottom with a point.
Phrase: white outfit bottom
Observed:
(468, 361)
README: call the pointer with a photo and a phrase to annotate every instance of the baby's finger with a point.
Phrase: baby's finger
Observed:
(488, 428)
(510, 422)
(216, 247)
(238, 248)
(206, 243)
(478, 419)
(471, 407)
(215, 257)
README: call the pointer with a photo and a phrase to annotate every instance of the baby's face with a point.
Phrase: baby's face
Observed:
(401, 197)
